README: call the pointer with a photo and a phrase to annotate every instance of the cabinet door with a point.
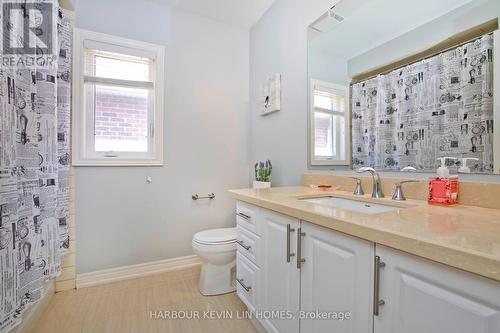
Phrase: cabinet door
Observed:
(336, 279)
(279, 278)
(423, 296)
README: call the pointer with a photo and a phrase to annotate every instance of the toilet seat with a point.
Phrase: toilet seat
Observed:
(216, 236)
(214, 248)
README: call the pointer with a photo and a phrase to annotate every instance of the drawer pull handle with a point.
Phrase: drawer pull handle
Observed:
(289, 230)
(245, 216)
(242, 244)
(300, 260)
(240, 281)
(376, 286)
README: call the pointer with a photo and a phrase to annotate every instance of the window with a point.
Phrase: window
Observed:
(329, 123)
(118, 101)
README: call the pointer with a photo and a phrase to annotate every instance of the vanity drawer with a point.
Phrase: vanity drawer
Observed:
(248, 245)
(247, 216)
(246, 278)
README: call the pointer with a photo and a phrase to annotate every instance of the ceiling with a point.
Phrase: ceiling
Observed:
(371, 23)
(242, 13)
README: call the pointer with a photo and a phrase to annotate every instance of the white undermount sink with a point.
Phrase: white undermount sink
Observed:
(353, 205)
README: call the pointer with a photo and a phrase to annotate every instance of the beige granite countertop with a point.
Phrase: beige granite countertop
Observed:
(464, 237)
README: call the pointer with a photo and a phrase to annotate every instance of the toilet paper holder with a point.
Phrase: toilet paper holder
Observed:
(208, 196)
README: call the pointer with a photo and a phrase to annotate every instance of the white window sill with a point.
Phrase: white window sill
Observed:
(329, 162)
(116, 162)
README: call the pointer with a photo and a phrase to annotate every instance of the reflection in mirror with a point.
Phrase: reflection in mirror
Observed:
(402, 83)
(329, 104)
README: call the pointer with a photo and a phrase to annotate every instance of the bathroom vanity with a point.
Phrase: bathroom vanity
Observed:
(394, 88)
(316, 261)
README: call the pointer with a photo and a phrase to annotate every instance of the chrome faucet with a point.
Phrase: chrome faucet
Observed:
(377, 185)
(359, 189)
(398, 191)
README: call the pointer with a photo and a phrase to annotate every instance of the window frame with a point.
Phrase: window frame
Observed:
(83, 119)
(313, 160)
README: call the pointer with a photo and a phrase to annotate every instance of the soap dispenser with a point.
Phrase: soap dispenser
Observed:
(464, 168)
(443, 189)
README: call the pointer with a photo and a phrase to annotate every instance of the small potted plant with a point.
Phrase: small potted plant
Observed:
(263, 172)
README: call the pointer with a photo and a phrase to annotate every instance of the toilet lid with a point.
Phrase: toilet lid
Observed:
(216, 236)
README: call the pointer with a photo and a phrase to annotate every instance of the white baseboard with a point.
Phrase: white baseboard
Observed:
(258, 325)
(135, 271)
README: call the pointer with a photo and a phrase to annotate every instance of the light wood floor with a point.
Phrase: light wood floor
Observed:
(125, 307)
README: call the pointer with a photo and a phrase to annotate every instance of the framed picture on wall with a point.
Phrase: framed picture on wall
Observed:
(270, 96)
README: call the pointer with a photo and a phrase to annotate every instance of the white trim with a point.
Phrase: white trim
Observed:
(111, 161)
(135, 271)
(257, 324)
(119, 83)
(347, 123)
(80, 137)
(120, 45)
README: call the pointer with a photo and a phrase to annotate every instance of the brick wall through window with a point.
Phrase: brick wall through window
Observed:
(121, 117)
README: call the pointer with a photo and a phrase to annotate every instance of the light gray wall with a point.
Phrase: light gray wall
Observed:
(278, 43)
(325, 67)
(425, 36)
(122, 220)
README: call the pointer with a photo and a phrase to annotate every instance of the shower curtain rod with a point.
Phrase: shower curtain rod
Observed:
(354, 80)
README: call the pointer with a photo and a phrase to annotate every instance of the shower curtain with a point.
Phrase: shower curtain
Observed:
(34, 157)
(438, 107)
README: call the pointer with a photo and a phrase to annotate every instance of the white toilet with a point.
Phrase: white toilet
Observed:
(217, 250)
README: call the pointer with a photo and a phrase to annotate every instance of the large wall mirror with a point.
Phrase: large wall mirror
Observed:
(398, 83)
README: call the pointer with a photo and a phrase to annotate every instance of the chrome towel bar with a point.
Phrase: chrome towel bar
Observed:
(208, 196)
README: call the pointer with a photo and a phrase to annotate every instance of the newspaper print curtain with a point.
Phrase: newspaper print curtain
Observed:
(34, 166)
(441, 106)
